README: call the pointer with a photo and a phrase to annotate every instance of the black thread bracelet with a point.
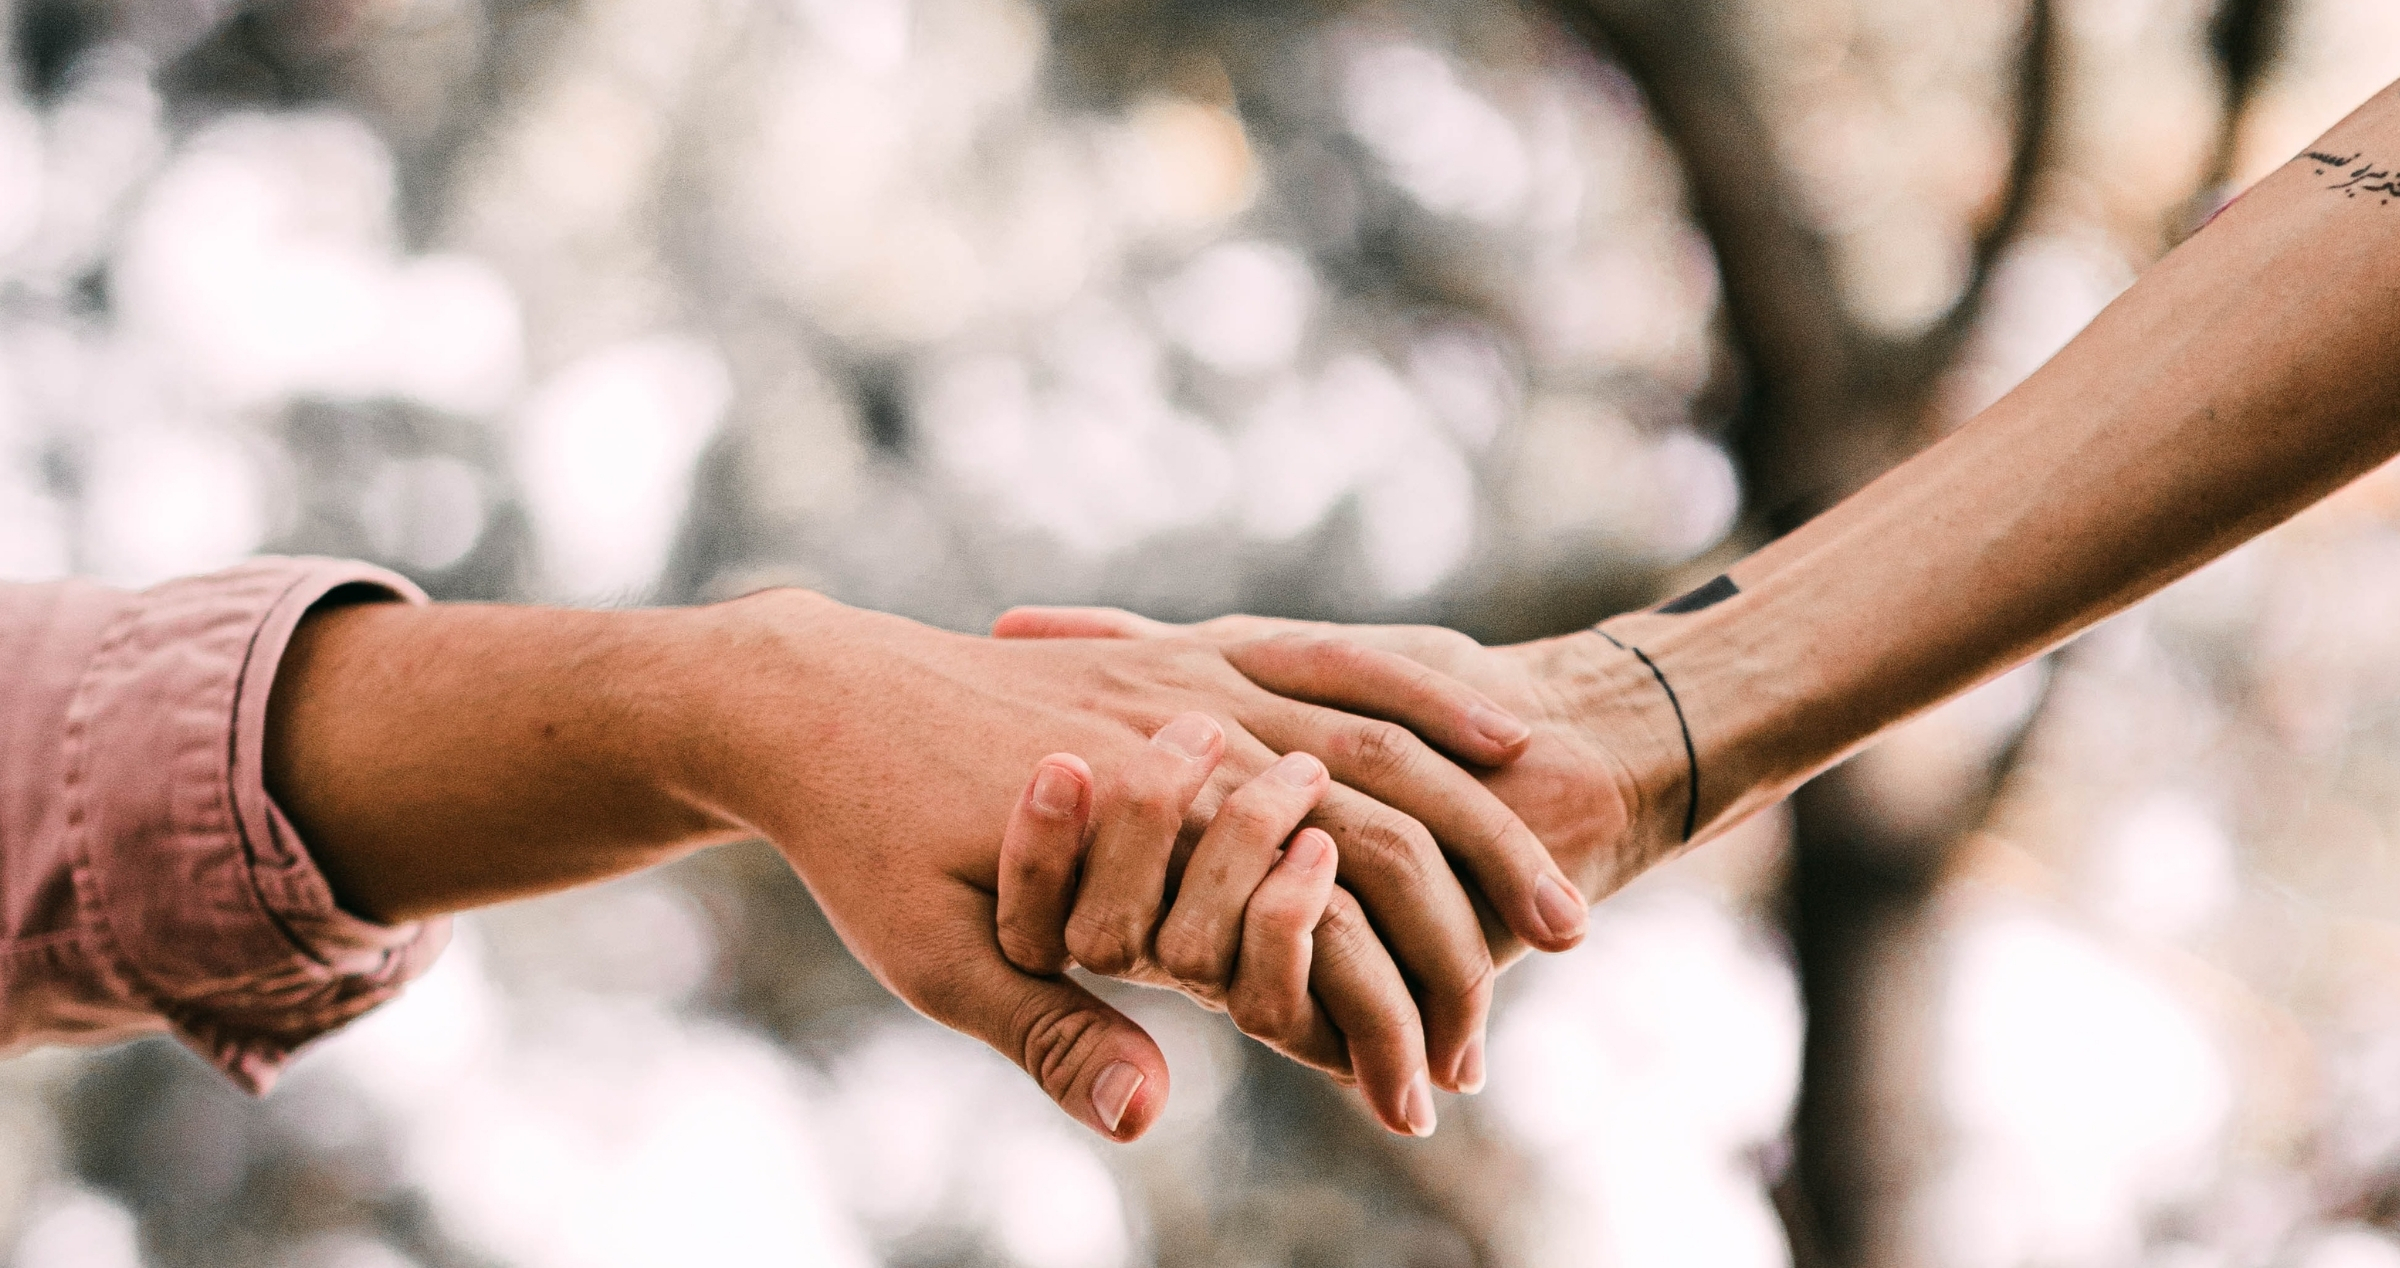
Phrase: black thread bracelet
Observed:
(1691, 756)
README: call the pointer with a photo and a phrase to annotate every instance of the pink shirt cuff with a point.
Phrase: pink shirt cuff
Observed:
(195, 905)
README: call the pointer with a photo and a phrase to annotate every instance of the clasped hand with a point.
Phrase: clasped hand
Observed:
(1258, 928)
(1322, 831)
(1166, 862)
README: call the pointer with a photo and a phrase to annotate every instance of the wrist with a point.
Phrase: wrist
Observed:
(1752, 699)
(742, 662)
(1615, 711)
(787, 700)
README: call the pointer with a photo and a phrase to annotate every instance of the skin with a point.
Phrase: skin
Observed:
(444, 757)
(1284, 911)
(440, 758)
(2250, 373)
(1598, 722)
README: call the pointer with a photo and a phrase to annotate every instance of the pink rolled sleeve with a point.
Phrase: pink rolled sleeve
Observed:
(147, 880)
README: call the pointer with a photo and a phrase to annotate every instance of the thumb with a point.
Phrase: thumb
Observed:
(1101, 1068)
(1077, 623)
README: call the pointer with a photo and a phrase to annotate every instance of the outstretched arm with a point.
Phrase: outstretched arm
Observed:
(2247, 375)
(2251, 372)
(443, 757)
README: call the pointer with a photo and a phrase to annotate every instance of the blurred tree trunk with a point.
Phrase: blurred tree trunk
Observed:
(1823, 405)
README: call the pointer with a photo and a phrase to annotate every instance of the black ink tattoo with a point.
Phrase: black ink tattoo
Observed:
(1691, 755)
(2358, 175)
(1710, 593)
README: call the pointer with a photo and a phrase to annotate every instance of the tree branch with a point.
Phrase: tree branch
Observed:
(2035, 107)
(1796, 346)
(2245, 37)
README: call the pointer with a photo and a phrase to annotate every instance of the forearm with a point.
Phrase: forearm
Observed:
(445, 757)
(2246, 376)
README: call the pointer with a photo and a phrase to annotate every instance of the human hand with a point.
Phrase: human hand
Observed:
(1601, 780)
(1264, 913)
(882, 756)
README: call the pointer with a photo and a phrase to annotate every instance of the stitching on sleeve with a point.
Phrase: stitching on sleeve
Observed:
(229, 771)
(107, 954)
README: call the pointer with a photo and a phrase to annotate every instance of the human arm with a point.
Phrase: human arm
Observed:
(2248, 374)
(449, 756)
(147, 880)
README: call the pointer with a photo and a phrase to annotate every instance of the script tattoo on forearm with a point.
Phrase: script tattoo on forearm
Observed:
(2356, 174)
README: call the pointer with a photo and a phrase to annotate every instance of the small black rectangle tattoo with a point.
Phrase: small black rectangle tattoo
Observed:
(1715, 591)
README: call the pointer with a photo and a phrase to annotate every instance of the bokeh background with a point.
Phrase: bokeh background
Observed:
(1507, 314)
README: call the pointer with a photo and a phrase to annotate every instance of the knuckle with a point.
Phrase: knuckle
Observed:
(1028, 952)
(1279, 916)
(1343, 919)
(1342, 935)
(1380, 750)
(1273, 913)
(1265, 1016)
(1392, 844)
(1187, 950)
(1054, 1040)
(1106, 947)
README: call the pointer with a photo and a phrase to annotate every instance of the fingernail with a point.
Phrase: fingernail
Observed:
(1056, 791)
(1562, 913)
(1470, 1067)
(1297, 769)
(1500, 728)
(1189, 735)
(1307, 850)
(1417, 1106)
(1112, 1093)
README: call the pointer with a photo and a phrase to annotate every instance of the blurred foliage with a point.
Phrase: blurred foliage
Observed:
(1502, 316)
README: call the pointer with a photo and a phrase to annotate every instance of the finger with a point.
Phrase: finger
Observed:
(1366, 999)
(1199, 940)
(1038, 622)
(1077, 623)
(1482, 837)
(1344, 674)
(1396, 873)
(1269, 999)
(1040, 854)
(1101, 1068)
(1122, 890)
